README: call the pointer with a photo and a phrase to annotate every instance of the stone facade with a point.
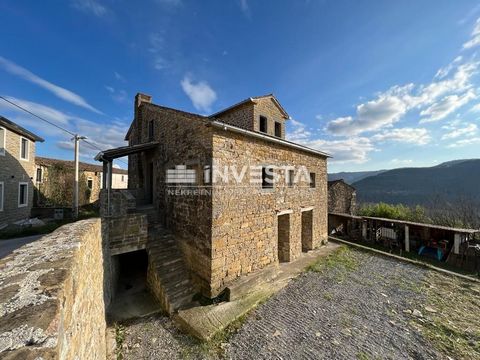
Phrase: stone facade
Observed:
(15, 171)
(51, 302)
(225, 234)
(342, 197)
(54, 182)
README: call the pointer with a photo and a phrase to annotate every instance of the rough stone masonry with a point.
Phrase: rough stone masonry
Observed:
(51, 296)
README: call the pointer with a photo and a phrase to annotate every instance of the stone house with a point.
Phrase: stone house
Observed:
(54, 182)
(17, 168)
(342, 197)
(225, 227)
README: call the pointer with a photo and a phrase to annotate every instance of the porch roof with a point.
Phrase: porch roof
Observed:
(109, 155)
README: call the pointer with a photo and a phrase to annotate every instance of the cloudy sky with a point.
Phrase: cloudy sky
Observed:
(378, 84)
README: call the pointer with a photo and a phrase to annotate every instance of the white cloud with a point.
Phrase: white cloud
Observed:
(468, 130)
(245, 8)
(404, 135)
(58, 91)
(297, 131)
(119, 76)
(157, 46)
(446, 106)
(475, 39)
(351, 150)
(90, 6)
(103, 135)
(117, 95)
(392, 105)
(200, 93)
(465, 142)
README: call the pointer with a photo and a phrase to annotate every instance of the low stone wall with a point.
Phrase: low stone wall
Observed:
(51, 296)
(126, 233)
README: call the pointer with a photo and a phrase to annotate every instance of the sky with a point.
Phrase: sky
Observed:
(377, 84)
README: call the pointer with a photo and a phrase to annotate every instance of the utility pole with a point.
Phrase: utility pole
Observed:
(77, 139)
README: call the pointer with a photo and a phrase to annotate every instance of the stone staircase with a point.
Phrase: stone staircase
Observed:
(167, 275)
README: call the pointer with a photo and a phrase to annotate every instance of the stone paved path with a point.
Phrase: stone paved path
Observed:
(357, 311)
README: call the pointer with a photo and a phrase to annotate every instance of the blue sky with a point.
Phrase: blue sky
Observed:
(378, 84)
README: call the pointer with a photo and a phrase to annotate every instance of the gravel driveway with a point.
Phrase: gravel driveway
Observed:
(355, 306)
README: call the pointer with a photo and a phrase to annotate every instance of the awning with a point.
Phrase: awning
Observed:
(111, 154)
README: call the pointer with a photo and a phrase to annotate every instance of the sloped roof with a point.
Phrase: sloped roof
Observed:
(340, 181)
(10, 125)
(252, 100)
(71, 164)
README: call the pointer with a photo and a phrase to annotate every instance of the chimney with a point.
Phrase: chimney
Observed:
(141, 98)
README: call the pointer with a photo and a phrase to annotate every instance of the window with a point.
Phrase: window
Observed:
(312, 180)
(267, 177)
(39, 175)
(263, 124)
(278, 129)
(3, 133)
(24, 145)
(22, 194)
(150, 130)
(290, 178)
(90, 183)
(123, 178)
(1, 195)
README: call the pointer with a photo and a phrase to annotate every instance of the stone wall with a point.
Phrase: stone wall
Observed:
(244, 224)
(266, 107)
(184, 140)
(127, 233)
(13, 171)
(342, 198)
(241, 116)
(51, 296)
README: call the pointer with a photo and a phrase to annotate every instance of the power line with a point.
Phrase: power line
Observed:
(53, 124)
(37, 116)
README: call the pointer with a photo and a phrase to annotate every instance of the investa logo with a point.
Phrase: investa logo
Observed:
(231, 174)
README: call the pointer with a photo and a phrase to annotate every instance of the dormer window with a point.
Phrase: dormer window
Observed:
(278, 129)
(263, 124)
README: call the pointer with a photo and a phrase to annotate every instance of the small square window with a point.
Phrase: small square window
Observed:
(312, 180)
(290, 177)
(24, 147)
(263, 124)
(22, 194)
(278, 129)
(267, 177)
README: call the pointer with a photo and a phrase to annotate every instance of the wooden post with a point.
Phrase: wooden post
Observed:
(456, 243)
(407, 239)
(364, 230)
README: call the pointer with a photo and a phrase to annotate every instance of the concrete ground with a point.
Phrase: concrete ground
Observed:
(352, 305)
(7, 246)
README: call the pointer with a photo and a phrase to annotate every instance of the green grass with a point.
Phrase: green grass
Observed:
(342, 258)
(454, 329)
(119, 338)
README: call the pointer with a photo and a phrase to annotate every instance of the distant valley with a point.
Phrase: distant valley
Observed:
(448, 181)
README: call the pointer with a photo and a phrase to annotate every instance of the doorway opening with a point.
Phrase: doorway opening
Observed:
(149, 187)
(307, 230)
(132, 297)
(284, 238)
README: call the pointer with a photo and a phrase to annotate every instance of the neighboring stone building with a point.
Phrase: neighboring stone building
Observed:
(342, 197)
(54, 180)
(224, 228)
(17, 168)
